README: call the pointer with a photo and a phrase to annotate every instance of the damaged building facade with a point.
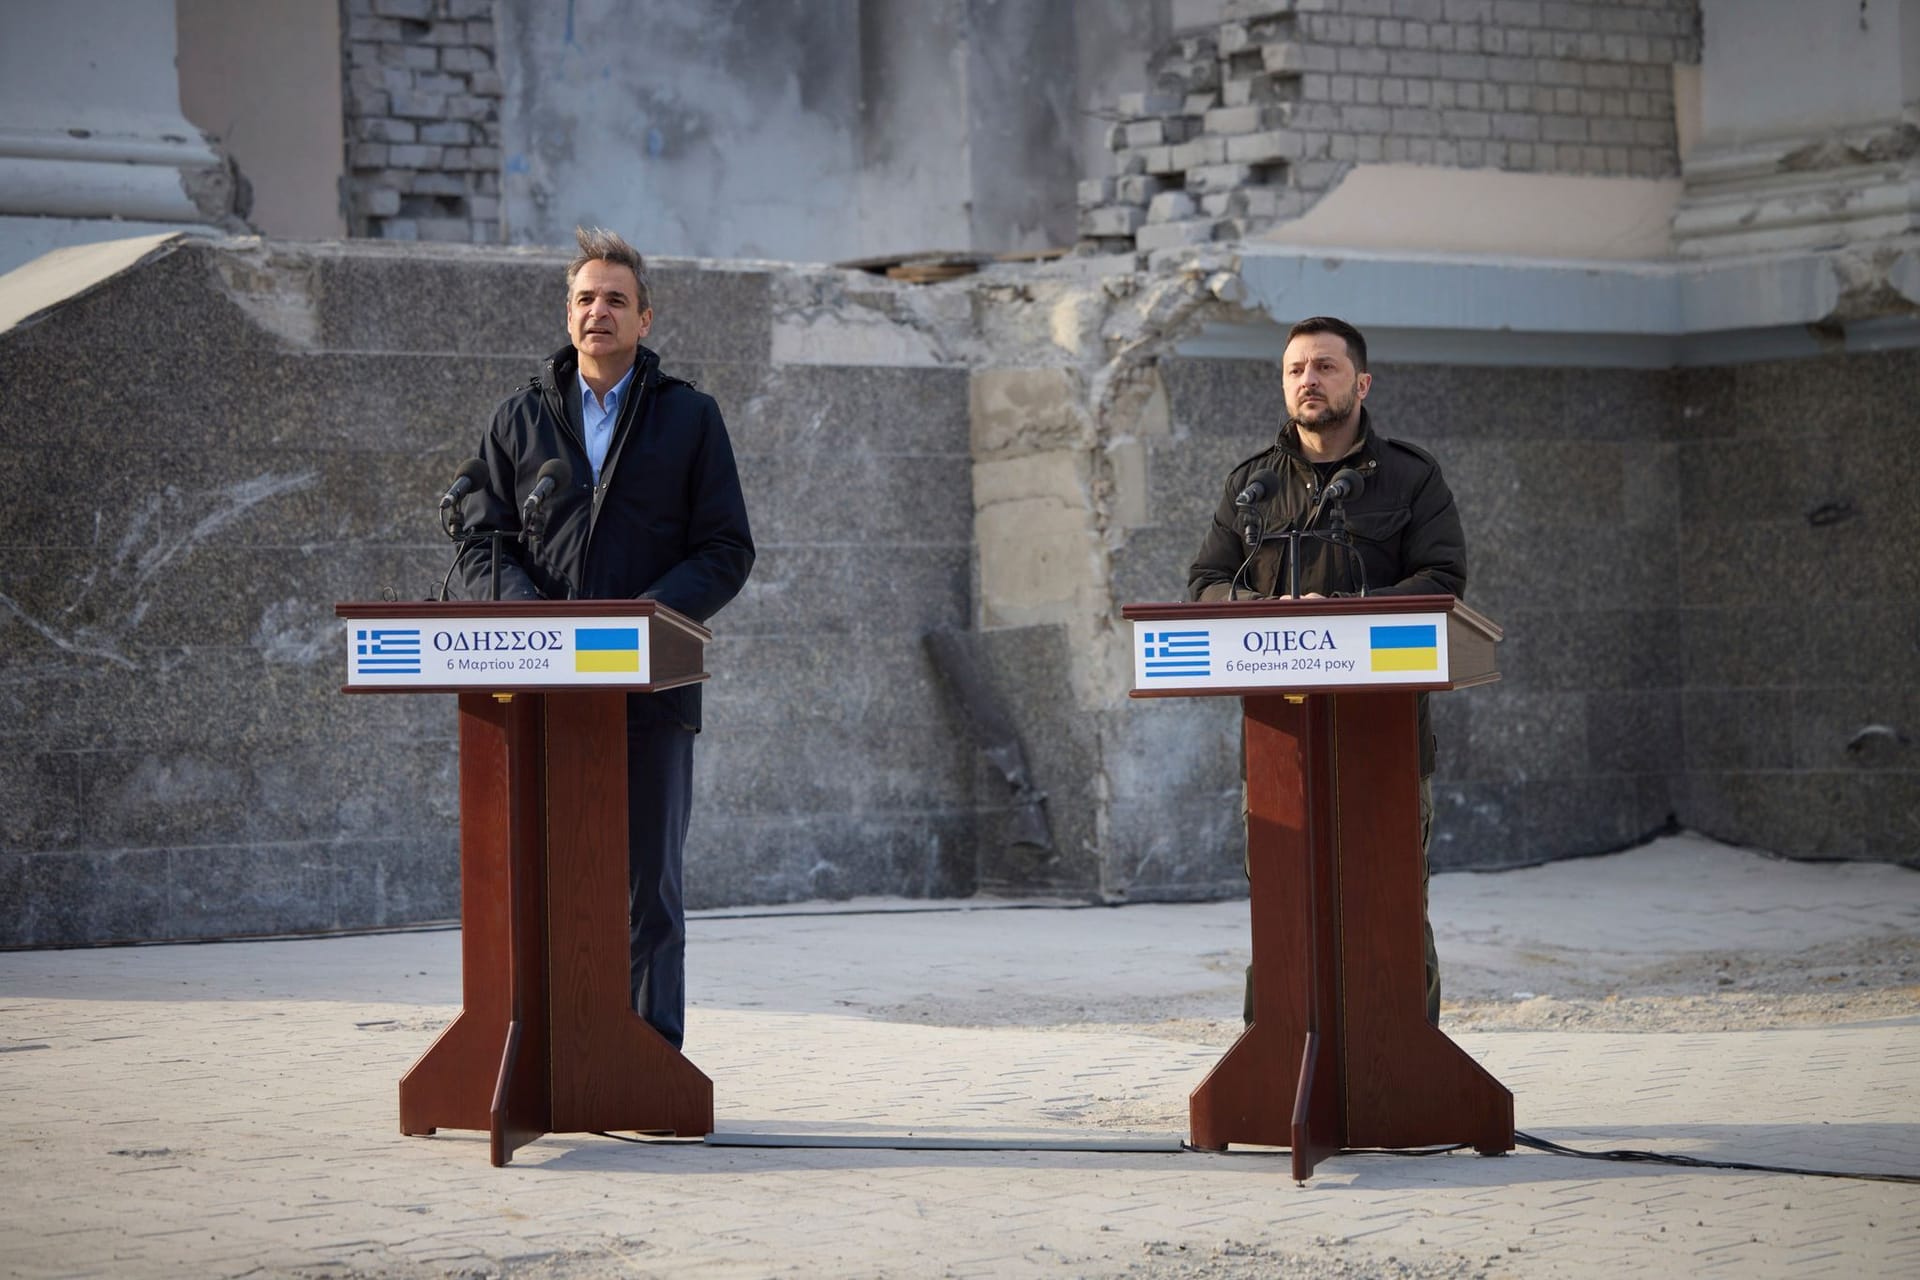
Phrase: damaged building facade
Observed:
(1672, 403)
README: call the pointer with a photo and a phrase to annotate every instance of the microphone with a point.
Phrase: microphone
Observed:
(1261, 485)
(1346, 483)
(552, 474)
(471, 475)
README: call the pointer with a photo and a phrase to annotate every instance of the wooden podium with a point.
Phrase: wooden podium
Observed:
(546, 1040)
(1340, 1054)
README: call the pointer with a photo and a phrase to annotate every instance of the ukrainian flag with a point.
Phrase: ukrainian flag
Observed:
(606, 649)
(1405, 648)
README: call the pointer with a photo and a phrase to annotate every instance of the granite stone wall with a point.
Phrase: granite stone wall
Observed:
(226, 440)
(1707, 580)
(1250, 121)
(1797, 589)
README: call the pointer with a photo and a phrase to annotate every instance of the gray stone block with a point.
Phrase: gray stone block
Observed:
(744, 861)
(1573, 817)
(87, 896)
(832, 592)
(815, 414)
(1241, 399)
(862, 767)
(1635, 732)
(1760, 479)
(1630, 568)
(1868, 642)
(1515, 735)
(702, 313)
(1593, 648)
(1153, 564)
(40, 809)
(1799, 815)
(371, 302)
(1738, 729)
(1892, 817)
(866, 497)
(1477, 825)
(1870, 729)
(406, 881)
(1179, 848)
(167, 796)
(1751, 562)
(219, 892)
(136, 310)
(1744, 646)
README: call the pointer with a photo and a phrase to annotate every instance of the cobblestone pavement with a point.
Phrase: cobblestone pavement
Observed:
(229, 1110)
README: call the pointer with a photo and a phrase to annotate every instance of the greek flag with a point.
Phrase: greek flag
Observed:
(1182, 654)
(387, 651)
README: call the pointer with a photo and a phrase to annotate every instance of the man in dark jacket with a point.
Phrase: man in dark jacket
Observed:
(1406, 535)
(652, 511)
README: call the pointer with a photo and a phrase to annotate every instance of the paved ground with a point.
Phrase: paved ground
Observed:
(228, 1110)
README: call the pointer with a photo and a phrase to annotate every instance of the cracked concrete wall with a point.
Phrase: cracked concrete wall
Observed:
(811, 130)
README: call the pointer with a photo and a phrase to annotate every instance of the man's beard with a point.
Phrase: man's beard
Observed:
(1330, 413)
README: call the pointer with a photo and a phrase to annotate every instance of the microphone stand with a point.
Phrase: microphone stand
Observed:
(1252, 530)
(462, 539)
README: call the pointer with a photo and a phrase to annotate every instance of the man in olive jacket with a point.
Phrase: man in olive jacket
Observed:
(652, 511)
(1406, 534)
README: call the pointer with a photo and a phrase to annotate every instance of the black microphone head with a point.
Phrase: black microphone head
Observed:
(1348, 481)
(556, 470)
(1261, 485)
(472, 470)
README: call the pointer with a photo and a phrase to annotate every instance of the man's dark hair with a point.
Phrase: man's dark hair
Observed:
(1356, 345)
(599, 244)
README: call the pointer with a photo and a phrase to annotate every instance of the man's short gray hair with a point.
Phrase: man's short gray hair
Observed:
(597, 244)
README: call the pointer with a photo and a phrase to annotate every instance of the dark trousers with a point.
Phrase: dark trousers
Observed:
(659, 798)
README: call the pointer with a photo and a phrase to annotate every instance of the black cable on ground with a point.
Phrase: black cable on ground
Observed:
(1695, 1162)
(1531, 1142)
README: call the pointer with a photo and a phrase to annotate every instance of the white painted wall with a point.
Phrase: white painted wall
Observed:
(1781, 68)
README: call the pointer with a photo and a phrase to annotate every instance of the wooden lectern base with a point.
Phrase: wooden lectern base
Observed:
(1340, 1053)
(546, 1041)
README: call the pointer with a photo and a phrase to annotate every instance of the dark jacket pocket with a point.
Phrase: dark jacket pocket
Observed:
(1378, 526)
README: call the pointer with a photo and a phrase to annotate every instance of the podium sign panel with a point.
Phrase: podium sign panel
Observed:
(1338, 651)
(554, 652)
(547, 1040)
(1339, 1053)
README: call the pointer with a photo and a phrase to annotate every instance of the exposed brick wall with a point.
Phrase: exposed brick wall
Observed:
(1250, 121)
(422, 120)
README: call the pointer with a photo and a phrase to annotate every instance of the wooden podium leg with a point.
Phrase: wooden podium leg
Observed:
(611, 1070)
(1251, 1094)
(451, 1086)
(1320, 1107)
(1407, 1083)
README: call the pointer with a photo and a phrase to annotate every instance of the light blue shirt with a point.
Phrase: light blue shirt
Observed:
(598, 416)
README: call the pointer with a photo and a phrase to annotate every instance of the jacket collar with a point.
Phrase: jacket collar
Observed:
(563, 367)
(1289, 441)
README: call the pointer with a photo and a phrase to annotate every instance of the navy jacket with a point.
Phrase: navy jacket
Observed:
(667, 521)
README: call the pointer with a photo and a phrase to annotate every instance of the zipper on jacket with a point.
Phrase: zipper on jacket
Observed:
(556, 402)
(643, 391)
